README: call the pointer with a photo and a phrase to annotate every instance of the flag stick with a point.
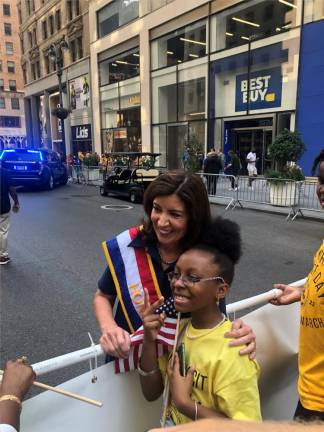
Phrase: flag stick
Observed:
(166, 392)
(63, 392)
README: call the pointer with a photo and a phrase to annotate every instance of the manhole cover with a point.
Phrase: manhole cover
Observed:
(116, 207)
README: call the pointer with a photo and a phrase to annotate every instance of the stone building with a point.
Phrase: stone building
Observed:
(12, 120)
(42, 25)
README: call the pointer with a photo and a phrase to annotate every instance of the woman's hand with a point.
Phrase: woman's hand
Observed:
(289, 295)
(116, 342)
(152, 322)
(242, 334)
(180, 387)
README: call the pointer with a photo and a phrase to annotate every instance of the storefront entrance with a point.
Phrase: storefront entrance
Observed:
(176, 138)
(260, 138)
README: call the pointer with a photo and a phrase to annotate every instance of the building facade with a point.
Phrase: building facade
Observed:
(43, 24)
(228, 74)
(12, 119)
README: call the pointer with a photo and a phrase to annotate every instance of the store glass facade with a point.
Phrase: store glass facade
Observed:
(115, 15)
(238, 96)
(120, 103)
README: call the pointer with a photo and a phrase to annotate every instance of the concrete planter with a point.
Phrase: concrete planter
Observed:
(283, 194)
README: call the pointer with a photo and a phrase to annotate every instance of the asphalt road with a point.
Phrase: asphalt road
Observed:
(55, 245)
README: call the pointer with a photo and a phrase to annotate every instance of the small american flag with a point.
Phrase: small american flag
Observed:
(164, 342)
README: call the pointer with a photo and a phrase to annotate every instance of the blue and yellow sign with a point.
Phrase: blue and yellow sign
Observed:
(264, 87)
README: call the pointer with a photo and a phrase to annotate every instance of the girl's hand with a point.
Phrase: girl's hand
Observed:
(180, 387)
(152, 322)
(242, 334)
(289, 295)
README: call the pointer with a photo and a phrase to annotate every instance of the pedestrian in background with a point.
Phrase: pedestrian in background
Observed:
(233, 168)
(7, 191)
(212, 165)
(251, 166)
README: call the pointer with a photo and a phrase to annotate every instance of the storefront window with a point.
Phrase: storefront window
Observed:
(159, 137)
(121, 116)
(268, 74)
(187, 43)
(115, 15)
(313, 10)
(251, 20)
(179, 93)
(164, 96)
(119, 68)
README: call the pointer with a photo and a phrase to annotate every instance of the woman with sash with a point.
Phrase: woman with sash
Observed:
(176, 209)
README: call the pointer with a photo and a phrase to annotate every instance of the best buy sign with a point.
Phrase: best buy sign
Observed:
(265, 90)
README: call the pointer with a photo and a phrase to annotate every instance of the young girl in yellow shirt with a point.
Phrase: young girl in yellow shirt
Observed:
(218, 382)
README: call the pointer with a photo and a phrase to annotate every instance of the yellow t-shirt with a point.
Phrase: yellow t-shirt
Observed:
(311, 338)
(224, 380)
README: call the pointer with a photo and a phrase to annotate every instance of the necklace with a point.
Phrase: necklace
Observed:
(167, 263)
(206, 332)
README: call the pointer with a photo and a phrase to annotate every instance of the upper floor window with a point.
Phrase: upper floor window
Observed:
(15, 103)
(1, 84)
(35, 36)
(69, 6)
(12, 85)
(80, 47)
(19, 16)
(77, 7)
(30, 38)
(44, 29)
(119, 68)
(11, 66)
(22, 45)
(9, 121)
(7, 29)
(73, 50)
(2, 102)
(186, 43)
(24, 70)
(28, 7)
(51, 24)
(47, 64)
(6, 9)
(0, 65)
(9, 48)
(58, 19)
(116, 14)
(249, 21)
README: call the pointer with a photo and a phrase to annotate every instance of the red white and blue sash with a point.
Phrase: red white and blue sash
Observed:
(132, 270)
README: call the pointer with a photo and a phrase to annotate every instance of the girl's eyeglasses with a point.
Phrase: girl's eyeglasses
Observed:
(191, 280)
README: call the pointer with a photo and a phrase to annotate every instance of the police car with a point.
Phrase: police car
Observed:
(41, 167)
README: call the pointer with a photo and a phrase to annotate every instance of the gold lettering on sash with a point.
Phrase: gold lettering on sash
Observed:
(136, 294)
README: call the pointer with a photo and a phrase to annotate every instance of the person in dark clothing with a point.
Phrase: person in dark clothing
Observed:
(7, 190)
(233, 168)
(213, 165)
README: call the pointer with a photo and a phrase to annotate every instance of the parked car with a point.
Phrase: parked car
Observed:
(39, 167)
(131, 179)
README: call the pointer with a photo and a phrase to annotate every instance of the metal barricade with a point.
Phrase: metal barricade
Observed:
(89, 175)
(222, 186)
(308, 200)
(295, 196)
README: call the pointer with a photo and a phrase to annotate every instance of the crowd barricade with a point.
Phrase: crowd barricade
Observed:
(295, 196)
(90, 175)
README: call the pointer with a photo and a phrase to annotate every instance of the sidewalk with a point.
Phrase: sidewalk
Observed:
(284, 211)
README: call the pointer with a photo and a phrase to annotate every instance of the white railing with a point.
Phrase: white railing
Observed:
(96, 350)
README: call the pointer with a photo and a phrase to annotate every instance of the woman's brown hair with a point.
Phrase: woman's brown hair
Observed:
(190, 189)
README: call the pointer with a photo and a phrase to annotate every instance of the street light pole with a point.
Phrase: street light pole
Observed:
(55, 53)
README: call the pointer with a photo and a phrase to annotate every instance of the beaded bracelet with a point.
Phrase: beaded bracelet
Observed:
(144, 373)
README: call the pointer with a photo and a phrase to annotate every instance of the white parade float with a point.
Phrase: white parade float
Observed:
(124, 408)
